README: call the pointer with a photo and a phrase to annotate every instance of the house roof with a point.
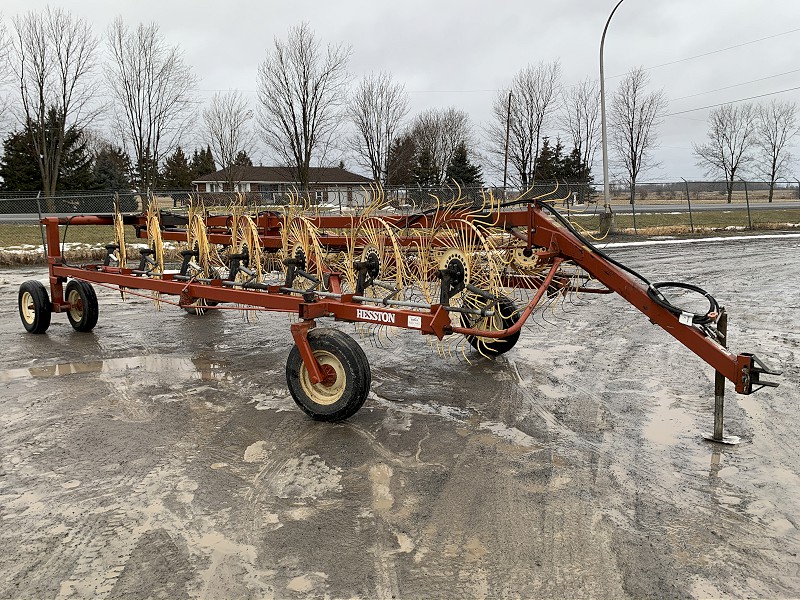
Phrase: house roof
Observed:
(287, 175)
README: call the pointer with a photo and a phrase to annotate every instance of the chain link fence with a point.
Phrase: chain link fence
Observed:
(685, 207)
(702, 207)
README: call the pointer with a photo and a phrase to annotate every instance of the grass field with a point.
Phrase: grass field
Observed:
(680, 223)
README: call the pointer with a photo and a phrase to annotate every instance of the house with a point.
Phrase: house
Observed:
(329, 185)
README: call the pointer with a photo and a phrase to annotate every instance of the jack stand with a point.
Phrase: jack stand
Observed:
(719, 392)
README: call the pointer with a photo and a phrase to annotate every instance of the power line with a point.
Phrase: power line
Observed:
(680, 60)
(727, 87)
(681, 112)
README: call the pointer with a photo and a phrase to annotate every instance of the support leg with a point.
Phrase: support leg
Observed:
(719, 393)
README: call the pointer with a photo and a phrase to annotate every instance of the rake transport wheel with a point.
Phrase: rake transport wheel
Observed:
(83, 310)
(347, 376)
(34, 307)
(505, 315)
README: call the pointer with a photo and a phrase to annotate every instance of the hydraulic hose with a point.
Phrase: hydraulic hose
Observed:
(652, 288)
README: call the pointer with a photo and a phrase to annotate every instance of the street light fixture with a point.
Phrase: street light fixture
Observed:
(606, 189)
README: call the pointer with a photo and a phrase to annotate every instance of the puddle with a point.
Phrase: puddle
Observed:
(197, 368)
(668, 422)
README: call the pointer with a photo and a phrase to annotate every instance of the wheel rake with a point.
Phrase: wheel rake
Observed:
(466, 273)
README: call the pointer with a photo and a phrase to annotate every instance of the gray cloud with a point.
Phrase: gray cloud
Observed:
(455, 53)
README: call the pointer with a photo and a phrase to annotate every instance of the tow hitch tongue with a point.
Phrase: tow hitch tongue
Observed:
(757, 368)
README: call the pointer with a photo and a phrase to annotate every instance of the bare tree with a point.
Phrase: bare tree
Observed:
(5, 71)
(53, 62)
(437, 134)
(227, 130)
(535, 93)
(776, 125)
(301, 90)
(151, 86)
(731, 135)
(377, 109)
(581, 121)
(634, 117)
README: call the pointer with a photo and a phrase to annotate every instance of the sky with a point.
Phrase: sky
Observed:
(462, 53)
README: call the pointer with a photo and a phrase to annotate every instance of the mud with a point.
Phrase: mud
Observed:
(161, 455)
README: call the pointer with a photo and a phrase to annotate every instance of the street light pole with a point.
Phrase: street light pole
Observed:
(505, 154)
(606, 189)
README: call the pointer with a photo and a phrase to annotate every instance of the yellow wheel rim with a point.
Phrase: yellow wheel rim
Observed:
(28, 310)
(324, 393)
(76, 305)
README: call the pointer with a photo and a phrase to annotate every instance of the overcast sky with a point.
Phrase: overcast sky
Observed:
(460, 53)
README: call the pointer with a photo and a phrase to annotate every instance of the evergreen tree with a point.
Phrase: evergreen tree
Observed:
(75, 171)
(242, 159)
(401, 161)
(177, 173)
(203, 163)
(462, 171)
(112, 167)
(20, 170)
(548, 163)
(18, 167)
(425, 172)
(146, 170)
(553, 165)
(572, 167)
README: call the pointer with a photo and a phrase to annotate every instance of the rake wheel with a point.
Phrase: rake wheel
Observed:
(373, 244)
(505, 315)
(300, 243)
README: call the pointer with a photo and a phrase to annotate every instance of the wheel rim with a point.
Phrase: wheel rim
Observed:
(28, 308)
(76, 305)
(331, 389)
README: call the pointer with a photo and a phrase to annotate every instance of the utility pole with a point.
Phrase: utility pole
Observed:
(508, 131)
(607, 220)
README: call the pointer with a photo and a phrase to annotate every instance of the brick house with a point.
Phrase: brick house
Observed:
(329, 185)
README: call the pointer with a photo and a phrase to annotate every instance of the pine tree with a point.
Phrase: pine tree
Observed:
(18, 167)
(20, 170)
(462, 171)
(242, 159)
(177, 173)
(112, 168)
(425, 171)
(401, 161)
(548, 163)
(572, 167)
(75, 171)
(146, 170)
(203, 163)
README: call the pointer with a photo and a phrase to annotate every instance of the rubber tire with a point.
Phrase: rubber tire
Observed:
(354, 363)
(495, 346)
(42, 309)
(86, 318)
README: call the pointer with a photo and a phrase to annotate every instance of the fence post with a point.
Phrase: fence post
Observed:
(747, 199)
(689, 200)
(41, 227)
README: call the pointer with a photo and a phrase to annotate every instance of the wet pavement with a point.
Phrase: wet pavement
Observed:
(161, 455)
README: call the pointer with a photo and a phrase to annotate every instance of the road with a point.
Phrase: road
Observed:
(626, 209)
(161, 456)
